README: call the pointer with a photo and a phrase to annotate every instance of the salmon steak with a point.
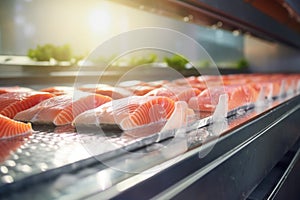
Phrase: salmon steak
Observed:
(20, 101)
(61, 110)
(67, 115)
(160, 111)
(155, 110)
(128, 113)
(238, 96)
(11, 97)
(46, 111)
(11, 128)
(110, 113)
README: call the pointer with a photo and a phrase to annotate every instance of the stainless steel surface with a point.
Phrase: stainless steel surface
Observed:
(52, 148)
(283, 180)
(291, 167)
(290, 188)
(202, 152)
(243, 158)
(110, 173)
(39, 152)
(239, 160)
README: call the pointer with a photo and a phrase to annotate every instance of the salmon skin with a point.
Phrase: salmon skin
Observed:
(60, 110)
(22, 101)
(11, 128)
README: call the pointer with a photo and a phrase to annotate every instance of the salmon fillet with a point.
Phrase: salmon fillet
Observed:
(67, 115)
(154, 110)
(61, 110)
(162, 110)
(25, 101)
(58, 90)
(107, 90)
(46, 111)
(4, 90)
(238, 96)
(110, 113)
(10, 127)
(176, 93)
(11, 97)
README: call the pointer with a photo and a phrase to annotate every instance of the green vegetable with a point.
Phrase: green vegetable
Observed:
(41, 53)
(242, 63)
(48, 51)
(177, 62)
(103, 59)
(135, 61)
(62, 53)
(205, 63)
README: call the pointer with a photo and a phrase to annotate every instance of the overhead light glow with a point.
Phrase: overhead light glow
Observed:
(99, 20)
